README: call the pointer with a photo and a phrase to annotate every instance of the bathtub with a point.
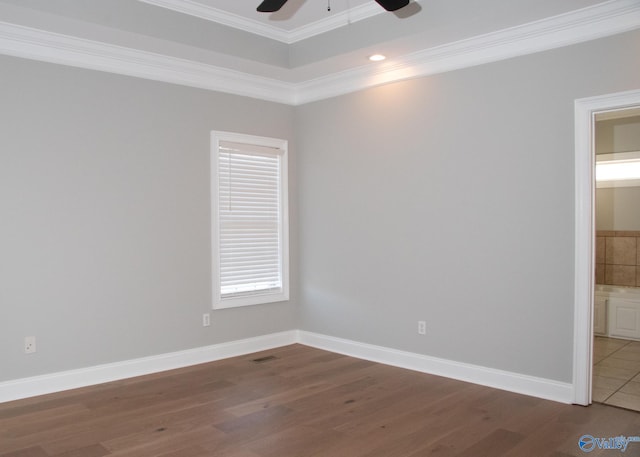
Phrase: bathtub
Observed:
(617, 311)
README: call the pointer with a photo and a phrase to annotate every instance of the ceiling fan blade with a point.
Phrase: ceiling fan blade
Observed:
(270, 6)
(392, 5)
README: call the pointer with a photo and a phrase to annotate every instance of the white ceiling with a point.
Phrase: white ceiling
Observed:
(303, 52)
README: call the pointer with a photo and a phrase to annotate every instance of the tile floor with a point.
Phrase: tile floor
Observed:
(616, 372)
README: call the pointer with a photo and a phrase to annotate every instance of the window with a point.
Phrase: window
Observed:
(249, 214)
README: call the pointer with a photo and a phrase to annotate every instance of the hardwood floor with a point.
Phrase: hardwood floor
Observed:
(300, 401)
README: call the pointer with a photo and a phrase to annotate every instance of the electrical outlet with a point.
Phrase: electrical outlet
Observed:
(422, 327)
(29, 344)
(206, 320)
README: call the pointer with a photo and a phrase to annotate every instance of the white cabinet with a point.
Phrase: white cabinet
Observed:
(624, 318)
(600, 315)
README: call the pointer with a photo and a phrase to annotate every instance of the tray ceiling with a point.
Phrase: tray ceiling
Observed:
(303, 52)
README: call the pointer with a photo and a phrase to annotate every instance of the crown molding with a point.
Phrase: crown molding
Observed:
(604, 19)
(355, 14)
(209, 13)
(29, 43)
(598, 21)
(197, 9)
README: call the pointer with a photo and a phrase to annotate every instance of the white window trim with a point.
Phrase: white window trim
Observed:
(220, 302)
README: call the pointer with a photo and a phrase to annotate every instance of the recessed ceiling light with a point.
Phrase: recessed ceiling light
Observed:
(377, 57)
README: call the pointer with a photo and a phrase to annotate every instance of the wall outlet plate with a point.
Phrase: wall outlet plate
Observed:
(29, 344)
(422, 327)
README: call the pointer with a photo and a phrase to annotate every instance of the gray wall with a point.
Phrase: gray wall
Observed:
(104, 203)
(618, 208)
(450, 199)
(447, 199)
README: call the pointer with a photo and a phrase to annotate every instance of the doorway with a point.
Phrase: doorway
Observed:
(616, 347)
(584, 254)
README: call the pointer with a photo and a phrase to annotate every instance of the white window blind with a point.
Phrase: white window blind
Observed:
(250, 224)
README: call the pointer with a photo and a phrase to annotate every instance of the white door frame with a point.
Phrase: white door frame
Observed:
(585, 110)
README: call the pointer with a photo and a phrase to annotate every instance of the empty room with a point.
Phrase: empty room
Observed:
(319, 228)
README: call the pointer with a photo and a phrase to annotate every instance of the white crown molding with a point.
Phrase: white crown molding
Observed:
(209, 13)
(355, 14)
(335, 20)
(604, 19)
(29, 43)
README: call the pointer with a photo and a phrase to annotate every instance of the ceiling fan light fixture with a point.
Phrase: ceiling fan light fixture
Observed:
(377, 57)
(392, 5)
(270, 6)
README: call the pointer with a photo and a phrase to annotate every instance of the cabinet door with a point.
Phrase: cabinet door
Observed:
(600, 315)
(624, 318)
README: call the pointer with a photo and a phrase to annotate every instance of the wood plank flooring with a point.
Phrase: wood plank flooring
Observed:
(299, 401)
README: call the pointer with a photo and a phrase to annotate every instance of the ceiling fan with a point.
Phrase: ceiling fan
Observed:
(270, 6)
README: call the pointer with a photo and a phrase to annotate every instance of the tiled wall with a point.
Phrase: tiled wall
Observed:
(618, 258)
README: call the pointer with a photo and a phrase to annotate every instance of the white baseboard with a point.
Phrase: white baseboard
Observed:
(499, 379)
(72, 379)
(505, 380)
